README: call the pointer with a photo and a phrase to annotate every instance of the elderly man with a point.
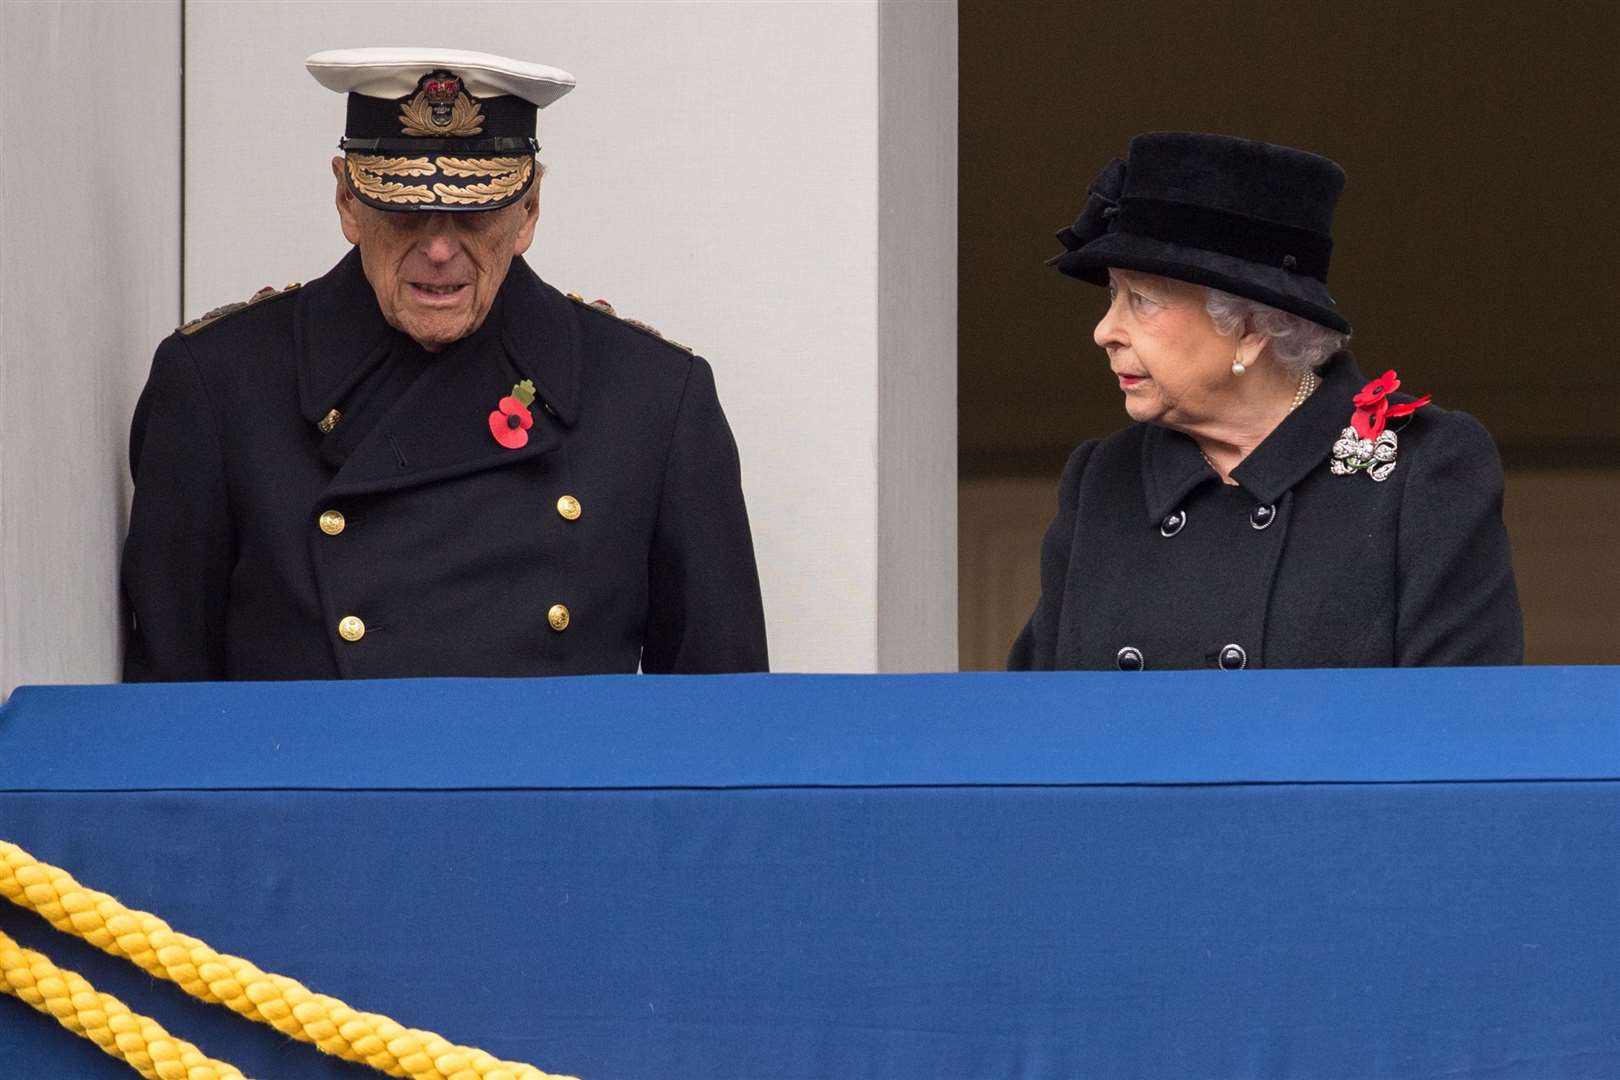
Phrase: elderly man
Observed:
(429, 461)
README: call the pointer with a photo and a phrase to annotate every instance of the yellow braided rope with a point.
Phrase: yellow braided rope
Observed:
(72, 1002)
(281, 1002)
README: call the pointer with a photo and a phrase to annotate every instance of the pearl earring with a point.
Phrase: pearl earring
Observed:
(1237, 367)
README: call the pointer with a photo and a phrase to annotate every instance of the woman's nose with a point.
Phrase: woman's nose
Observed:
(1109, 331)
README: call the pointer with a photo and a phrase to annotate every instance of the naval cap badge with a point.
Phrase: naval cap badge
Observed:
(441, 108)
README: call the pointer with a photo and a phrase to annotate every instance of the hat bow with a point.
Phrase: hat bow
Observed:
(1102, 205)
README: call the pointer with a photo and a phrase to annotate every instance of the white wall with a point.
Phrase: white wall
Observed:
(89, 283)
(721, 172)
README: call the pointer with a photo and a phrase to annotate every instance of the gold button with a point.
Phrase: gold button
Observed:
(333, 522)
(329, 421)
(568, 507)
(557, 616)
(351, 628)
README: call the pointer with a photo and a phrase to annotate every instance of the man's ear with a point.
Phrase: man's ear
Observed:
(531, 216)
(348, 214)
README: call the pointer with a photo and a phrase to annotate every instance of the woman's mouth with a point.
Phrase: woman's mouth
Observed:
(1127, 382)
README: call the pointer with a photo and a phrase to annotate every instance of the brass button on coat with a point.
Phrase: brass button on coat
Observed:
(568, 507)
(557, 616)
(351, 628)
(333, 522)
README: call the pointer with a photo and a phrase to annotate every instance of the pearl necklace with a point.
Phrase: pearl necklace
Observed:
(1307, 387)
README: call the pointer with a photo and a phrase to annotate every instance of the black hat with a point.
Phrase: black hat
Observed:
(438, 129)
(1245, 217)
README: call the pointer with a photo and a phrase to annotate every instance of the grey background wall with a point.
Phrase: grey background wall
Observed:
(723, 172)
(89, 282)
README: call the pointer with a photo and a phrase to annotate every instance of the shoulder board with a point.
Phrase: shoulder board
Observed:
(607, 309)
(230, 309)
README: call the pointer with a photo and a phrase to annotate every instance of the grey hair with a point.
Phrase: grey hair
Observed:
(1295, 342)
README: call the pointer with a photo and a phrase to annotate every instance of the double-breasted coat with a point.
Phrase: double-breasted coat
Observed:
(1152, 562)
(406, 539)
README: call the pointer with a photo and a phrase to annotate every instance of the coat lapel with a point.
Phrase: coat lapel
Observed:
(439, 428)
(339, 336)
(1305, 437)
(1172, 466)
(540, 330)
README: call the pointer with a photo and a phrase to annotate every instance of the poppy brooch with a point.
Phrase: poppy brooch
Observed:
(511, 420)
(1368, 445)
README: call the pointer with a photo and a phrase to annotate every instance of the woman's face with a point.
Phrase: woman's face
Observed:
(1173, 366)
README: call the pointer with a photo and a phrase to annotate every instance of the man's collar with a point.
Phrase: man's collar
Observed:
(540, 329)
(339, 336)
(1172, 465)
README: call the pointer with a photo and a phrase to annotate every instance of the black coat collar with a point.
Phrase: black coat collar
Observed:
(1172, 466)
(540, 328)
(439, 427)
(339, 335)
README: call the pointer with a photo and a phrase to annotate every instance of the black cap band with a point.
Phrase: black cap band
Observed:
(504, 116)
(439, 146)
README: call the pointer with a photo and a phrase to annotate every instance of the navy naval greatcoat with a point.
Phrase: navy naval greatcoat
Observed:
(268, 542)
(1152, 562)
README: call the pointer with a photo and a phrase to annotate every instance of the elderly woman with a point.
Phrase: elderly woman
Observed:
(1272, 506)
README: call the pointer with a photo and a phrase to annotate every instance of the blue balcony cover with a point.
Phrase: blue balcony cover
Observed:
(1184, 874)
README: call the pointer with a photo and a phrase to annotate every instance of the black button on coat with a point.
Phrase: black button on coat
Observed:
(453, 551)
(1347, 572)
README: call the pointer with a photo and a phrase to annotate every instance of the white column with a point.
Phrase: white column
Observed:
(89, 283)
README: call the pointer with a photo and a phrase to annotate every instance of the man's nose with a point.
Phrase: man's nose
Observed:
(438, 238)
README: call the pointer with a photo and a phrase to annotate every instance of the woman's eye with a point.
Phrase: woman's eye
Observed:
(1143, 301)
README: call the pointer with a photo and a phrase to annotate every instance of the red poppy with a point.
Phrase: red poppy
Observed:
(1410, 407)
(510, 423)
(1381, 387)
(1373, 410)
(1368, 420)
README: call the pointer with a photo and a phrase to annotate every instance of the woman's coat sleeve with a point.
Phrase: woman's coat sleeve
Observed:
(1456, 600)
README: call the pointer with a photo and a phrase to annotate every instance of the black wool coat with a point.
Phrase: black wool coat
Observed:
(457, 554)
(1152, 562)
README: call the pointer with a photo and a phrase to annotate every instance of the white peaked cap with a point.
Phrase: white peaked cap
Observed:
(393, 73)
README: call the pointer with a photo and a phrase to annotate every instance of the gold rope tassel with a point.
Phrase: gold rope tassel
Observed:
(281, 1002)
(72, 1002)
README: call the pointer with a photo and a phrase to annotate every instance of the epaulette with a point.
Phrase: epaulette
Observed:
(230, 309)
(607, 309)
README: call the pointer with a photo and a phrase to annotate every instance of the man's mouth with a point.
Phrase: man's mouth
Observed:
(436, 295)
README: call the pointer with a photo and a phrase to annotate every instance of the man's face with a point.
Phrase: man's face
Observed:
(436, 273)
